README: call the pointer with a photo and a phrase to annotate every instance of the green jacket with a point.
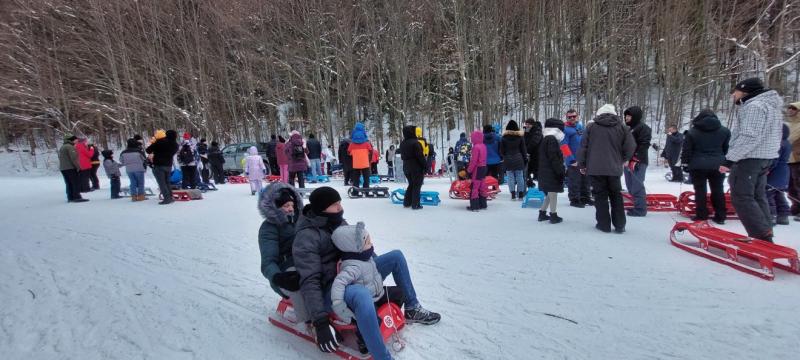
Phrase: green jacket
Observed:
(68, 157)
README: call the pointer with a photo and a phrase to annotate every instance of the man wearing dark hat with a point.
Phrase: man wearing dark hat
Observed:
(316, 258)
(755, 142)
(68, 164)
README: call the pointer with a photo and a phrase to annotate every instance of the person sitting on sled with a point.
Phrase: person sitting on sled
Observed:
(316, 258)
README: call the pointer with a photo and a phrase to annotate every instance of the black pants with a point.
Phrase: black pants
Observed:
(494, 171)
(273, 166)
(390, 165)
(73, 184)
(188, 175)
(115, 184)
(577, 186)
(162, 175)
(748, 181)
(374, 168)
(715, 180)
(85, 180)
(205, 173)
(677, 172)
(347, 172)
(301, 178)
(219, 174)
(794, 187)
(93, 176)
(358, 174)
(607, 191)
(413, 189)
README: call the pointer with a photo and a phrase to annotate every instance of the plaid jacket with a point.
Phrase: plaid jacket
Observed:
(756, 131)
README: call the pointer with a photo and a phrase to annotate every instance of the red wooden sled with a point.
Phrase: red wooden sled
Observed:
(237, 179)
(687, 207)
(655, 202)
(461, 189)
(746, 254)
(272, 178)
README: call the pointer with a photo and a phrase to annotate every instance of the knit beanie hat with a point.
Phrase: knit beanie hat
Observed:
(554, 123)
(606, 109)
(107, 154)
(322, 197)
(284, 196)
(487, 128)
(750, 85)
(160, 134)
(512, 126)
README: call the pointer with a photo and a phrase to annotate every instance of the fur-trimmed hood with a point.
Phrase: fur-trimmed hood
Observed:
(267, 207)
(514, 133)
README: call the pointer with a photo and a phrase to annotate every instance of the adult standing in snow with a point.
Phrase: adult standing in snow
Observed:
(413, 167)
(672, 152)
(95, 159)
(704, 149)
(330, 159)
(375, 158)
(514, 153)
(280, 205)
(69, 165)
(793, 120)
(606, 147)
(477, 169)
(188, 165)
(493, 159)
(296, 152)
(346, 160)
(316, 259)
(272, 154)
(578, 185)
(202, 152)
(755, 142)
(254, 169)
(390, 160)
(282, 159)
(85, 160)
(314, 157)
(135, 164)
(551, 169)
(163, 150)
(533, 136)
(216, 160)
(636, 170)
(360, 149)
(778, 182)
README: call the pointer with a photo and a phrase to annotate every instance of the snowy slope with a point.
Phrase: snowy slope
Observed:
(110, 279)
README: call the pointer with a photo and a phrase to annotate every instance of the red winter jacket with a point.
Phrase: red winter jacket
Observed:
(84, 155)
(361, 154)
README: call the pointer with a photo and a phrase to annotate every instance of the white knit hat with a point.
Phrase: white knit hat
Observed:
(606, 109)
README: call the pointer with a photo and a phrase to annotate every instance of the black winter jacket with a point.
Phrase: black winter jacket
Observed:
(642, 134)
(706, 144)
(513, 151)
(551, 165)
(163, 150)
(672, 150)
(215, 156)
(314, 148)
(411, 152)
(344, 156)
(605, 146)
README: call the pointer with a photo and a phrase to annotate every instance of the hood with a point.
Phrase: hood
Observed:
(463, 136)
(266, 203)
(418, 132)
(512, 126)
(476, 137)
(706, 121)
(409, 132)
(489, 138)
(172, 135)
(252, 150)
(359, 134)
(296, 139)
(513, 133)
(606, 109)
(350, 238)
(108, 153)
(636, 115)
(554, 123)
(554, 132)
(607, 119)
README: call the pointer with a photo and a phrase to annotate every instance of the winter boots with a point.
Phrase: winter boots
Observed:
(514, 196)
(482, 203)
(474, 205)
(543, 216)
(782, 220)
(136, 198)
(553, 217)
(521, 195)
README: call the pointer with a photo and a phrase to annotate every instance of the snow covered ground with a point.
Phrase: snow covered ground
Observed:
(111, 279)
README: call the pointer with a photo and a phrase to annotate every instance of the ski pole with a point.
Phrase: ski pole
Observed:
(784, 192)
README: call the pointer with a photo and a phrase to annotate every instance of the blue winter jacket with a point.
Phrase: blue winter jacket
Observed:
(572, 138)
(492, 148)
(779, 172)
(359, 134)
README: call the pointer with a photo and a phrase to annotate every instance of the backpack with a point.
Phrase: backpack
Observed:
(298, 152)
(464, 152)
(185, 157)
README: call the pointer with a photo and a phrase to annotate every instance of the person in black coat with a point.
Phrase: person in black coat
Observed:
(551, 169)
(636, 169)
(413, 166)
(515, 154)
(346, 160)
(533, 136)
(272, 156)
(215, 159)
(704, 150)
(163, 151)
(672, 153)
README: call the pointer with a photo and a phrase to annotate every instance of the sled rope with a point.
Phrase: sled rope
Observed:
(398, 344)
(561, 317)
(784, 192)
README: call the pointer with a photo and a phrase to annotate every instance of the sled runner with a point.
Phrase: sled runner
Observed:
(427, 198)
(187, 194)
(304, 192)
(655, 202)
(533, 198)
(370, 192)
(460, 189)
(687, 207)
(384, 178)
(746, 254)
(126, 191)
(206, 187)
(390, 316)
(237, 179)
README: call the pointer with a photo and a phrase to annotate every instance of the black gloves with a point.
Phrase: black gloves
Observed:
(326, 336)
(685, 168)
(289, 280)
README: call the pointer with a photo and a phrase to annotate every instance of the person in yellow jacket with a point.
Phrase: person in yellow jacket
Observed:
(793, 121)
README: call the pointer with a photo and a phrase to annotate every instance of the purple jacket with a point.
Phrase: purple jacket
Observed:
(478, 157)
(296, 165)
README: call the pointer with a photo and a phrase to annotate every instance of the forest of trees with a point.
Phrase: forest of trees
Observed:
(236, 70)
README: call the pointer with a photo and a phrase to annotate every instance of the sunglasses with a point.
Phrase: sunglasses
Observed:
(572, 116)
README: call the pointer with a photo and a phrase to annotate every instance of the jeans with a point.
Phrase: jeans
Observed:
(315, 170)
(359, 299)
(162, 175)
(634, 182)
(73, 184)
(137, 182)
(748, 181)
(607, 191)
(714, 179)
(115, 187)
(577, 186)
(516, 181)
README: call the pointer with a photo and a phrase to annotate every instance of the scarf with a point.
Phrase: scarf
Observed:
(361, 256)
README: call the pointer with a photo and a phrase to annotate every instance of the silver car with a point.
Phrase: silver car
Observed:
(235, 154)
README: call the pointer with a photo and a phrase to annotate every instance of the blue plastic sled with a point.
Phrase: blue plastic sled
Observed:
(428, 198)
(533, 198)
(176, 177)
(374, 179)
(320, 178)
